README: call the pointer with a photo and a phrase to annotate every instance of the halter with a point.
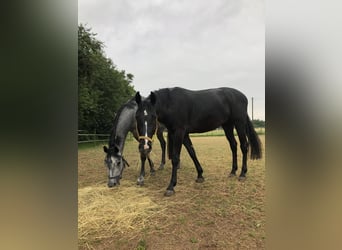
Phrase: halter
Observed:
(124, 165)
(146, 137)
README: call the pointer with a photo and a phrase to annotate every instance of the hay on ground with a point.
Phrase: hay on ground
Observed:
(103, 212)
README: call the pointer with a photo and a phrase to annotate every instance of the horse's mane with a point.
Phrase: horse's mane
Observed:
(163, 96)
(129, 104)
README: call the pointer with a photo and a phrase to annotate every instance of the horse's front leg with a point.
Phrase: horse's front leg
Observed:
(152, 171)
(140, 180)
(177, 141)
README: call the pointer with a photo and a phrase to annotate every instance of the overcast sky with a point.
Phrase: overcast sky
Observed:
(195, 44)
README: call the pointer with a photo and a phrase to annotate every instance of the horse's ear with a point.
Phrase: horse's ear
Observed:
(153, 98)
(105, 149)
(138, 98)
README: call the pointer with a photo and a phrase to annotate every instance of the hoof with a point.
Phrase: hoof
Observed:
(169, 193)
(231, 175)
(200, 180)
(161, 167)
(242, 178)
(140, 183)
(153, 173)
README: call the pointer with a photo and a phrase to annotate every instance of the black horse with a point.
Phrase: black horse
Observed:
(184, 111)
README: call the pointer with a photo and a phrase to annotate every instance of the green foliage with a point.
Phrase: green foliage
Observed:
(258, 123)
(102, 88)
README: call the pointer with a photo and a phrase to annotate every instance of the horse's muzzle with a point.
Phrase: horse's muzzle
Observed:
(112, 182)
(145, 148)
(145, 151)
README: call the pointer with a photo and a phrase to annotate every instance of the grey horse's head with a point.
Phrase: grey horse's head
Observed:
(115, 164)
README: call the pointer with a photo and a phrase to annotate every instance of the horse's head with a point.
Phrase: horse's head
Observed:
(146, 119)
(115, 164)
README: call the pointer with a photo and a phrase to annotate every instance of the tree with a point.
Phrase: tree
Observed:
(102, 87)
(258, 123)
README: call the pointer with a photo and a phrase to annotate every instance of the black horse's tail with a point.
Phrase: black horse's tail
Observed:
(254, 141)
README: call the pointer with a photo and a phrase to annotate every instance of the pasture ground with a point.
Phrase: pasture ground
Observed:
(221, 213)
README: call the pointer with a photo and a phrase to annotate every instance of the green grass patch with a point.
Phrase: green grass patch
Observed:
(193, 240)
(141, 245)
(220, 132)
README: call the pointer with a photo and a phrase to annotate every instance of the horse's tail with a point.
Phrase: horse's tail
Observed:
(254, 140)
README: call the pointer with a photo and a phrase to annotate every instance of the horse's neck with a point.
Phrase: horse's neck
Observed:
(125, 124)
(118, 140)
(162, 106)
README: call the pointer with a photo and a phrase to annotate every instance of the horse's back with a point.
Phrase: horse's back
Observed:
(225, 100)
(205, 109)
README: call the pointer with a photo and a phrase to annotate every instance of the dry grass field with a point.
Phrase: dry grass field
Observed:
(221, 213)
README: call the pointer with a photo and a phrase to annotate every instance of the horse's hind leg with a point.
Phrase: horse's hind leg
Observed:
(163, 147)
(229, 131)
(241, 131)
(188, 145)
(152, 171)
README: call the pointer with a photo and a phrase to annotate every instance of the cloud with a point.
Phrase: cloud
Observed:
(193, 44)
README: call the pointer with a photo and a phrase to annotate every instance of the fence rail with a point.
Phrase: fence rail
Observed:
(94, 134)
(93, 138)
(89, 138)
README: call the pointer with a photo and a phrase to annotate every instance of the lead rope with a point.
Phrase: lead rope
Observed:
(125, 162)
